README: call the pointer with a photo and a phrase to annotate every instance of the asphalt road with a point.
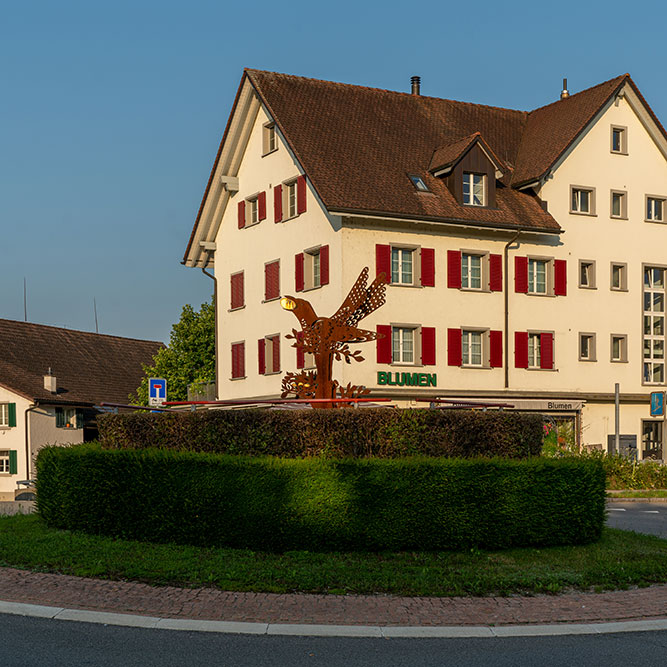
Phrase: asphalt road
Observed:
(650, 518)
(44, 643)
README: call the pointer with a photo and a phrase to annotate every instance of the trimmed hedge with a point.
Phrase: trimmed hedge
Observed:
(317, 504)
(383, 433)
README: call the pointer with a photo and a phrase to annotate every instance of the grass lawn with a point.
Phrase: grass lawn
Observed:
(619, 560)
(648, 493)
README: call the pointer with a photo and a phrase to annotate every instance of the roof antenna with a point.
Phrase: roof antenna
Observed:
(565, 92)
(25, 301)
(95, 309)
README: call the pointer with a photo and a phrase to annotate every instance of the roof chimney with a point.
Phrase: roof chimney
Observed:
(564, 93)
(415, 81)
(50, 382)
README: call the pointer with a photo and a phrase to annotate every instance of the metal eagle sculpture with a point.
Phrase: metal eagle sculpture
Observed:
(328, 338)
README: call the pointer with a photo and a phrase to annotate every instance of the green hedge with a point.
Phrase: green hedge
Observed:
(383, 432)
(320, 504)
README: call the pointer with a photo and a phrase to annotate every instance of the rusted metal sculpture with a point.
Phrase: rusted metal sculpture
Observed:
(328, 338)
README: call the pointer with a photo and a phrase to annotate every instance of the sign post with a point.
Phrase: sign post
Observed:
(157, 392)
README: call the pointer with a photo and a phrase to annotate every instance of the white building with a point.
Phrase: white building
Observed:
(50, 381)
(527, 250)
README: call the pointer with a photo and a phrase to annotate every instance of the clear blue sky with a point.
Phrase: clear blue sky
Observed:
(112, 112)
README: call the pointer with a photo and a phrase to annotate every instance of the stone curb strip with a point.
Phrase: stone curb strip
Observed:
(619, 499)
(386, 632)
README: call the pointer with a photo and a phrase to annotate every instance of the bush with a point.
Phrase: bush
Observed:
(383, 432)
(623, 473)
(320, 504)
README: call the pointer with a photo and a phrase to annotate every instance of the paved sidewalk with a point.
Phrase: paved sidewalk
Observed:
(210, 604)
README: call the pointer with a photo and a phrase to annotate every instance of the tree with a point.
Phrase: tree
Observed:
(190, 356)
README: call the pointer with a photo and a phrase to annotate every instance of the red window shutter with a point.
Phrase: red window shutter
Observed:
(261, 206)
(298, 272)
(324, 265)
(271, 280)
(454, 357)
(241, 210)
(496, 273)
(261, 356)
(241, 360)
(383, 261)
(495, 349)
(278, 203)
(521, 349)
(560, 277)
(276, 353)
(521, 280)
(454, 270)
(235, 362)
(300, 195)
(428, 267)
(300, 354)
(383, 345)
(546, 350)
(428, 346)
(237, 290)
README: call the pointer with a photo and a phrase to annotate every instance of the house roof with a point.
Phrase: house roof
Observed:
(357, 146)
(89, 368)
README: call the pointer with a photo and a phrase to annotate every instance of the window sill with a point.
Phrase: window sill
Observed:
(479, 290)
(404, 285)
(618, 361)
(243, 377)
(270, 152)
(655, 222)
(273, 373)
(250, 224)
(619, 217)
(5, 428)
(398, 364)
(588, 287)
(587, 361)
(587, 215)
(536, 368)
(539, 294)
(477, 368)
(273, 298)
(232, 310)
(310, 289)
(619, 152)
(619, 289)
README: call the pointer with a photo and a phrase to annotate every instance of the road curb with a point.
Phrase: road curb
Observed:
(618, 499)
(305, 630)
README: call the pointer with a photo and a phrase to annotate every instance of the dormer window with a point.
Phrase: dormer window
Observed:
(474, 187)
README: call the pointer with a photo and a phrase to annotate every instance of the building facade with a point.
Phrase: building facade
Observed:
(51, 379)
(525, 251)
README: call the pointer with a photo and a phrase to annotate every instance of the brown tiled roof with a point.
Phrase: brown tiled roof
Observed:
(357, 145)
(89, 367)
(550, 130)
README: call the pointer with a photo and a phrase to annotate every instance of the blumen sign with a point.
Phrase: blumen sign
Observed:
(397, 379)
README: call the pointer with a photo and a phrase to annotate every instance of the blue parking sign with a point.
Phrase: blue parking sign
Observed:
(657, 404)
(157, 391)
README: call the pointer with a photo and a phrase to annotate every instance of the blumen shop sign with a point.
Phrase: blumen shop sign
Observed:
(397, 379)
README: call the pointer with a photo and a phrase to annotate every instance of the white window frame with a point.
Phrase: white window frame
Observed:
(269, 138)
(623, 274)
(623, 139)
(312, 276)
(472, 337)
(623, 208)
(654, 343)
(290, 199)
(587, 269)
(252, 210)
(653, 212)
(534, 349)
(623, 348)
(4, 415)
(590, 354)
(471, 181)
(4, 462)
(401, 252)
(533, 266)
(576, 200)
(399, 334)
(467, 271)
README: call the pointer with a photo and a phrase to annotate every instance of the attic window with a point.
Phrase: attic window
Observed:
(418, 182)
(474, 189)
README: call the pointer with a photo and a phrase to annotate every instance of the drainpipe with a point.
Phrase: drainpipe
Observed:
(30, 408)
(215, 314)
(507, 306)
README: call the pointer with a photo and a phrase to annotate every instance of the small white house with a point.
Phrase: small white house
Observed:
(51, 379)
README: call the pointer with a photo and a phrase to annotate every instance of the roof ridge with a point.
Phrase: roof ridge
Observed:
(386, 90)
(79, 331)
(581, 92)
